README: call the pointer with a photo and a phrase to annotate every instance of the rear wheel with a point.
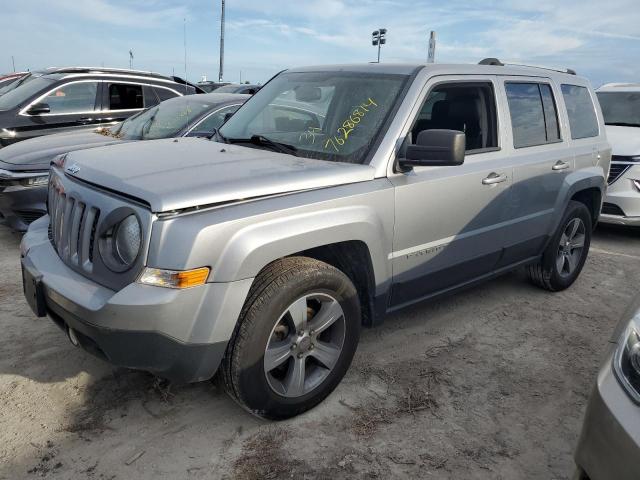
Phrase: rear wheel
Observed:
(295, 339)
(564, 257)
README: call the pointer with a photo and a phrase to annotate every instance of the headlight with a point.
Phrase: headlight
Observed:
(128, 238)
(120, 245)
(626, 362)
(39, 181)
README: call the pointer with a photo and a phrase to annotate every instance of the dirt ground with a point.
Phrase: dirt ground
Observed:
(489, 384)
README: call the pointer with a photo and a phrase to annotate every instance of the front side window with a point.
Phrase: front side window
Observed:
(581, 111)
(22, 92)
(534, 118)
(466, 107)
(72, 98)
(213, 121)
(123, 96)
(620, 108)
(165, 120)
(336, 116)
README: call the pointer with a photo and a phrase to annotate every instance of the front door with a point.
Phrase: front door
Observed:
(450, 221)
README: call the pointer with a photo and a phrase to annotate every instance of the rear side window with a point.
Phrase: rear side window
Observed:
(165, 93)
(123, 96)
(534, 117)
(581, 111)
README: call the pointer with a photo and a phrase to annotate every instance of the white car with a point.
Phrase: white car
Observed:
(620, 104)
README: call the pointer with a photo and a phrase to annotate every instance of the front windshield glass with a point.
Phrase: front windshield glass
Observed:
(165, 120)
(22, 92)
(620, 108)
(333, 116)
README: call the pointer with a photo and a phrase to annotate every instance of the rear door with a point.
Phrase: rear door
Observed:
(542, 158)
(449, 226)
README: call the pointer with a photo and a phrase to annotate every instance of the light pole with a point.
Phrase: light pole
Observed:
(221, 71)
(379, 38)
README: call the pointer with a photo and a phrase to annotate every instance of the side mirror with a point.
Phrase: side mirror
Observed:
(435, 148)
(39, 109)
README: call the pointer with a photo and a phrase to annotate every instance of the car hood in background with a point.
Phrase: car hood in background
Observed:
(625, 141)
(36, 153)
(174, 174)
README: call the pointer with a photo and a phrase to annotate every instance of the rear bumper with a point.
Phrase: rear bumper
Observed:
(20, 207)
(609, 445)
(178, 334)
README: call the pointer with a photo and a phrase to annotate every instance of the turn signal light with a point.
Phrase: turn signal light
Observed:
(174, 279)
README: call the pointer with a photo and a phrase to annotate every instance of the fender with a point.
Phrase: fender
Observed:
(583, 179)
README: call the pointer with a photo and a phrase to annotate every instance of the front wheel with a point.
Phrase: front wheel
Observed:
(564, 257)
(295, 339)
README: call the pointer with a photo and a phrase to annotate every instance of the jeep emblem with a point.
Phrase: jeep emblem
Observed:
(73, 169)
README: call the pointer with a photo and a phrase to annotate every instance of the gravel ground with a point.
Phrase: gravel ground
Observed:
(490, 383)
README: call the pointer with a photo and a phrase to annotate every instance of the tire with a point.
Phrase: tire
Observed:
(547, 272)
(292, 288)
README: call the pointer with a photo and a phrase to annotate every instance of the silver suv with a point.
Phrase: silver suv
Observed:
(332, 197)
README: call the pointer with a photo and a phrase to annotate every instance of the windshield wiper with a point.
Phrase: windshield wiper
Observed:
(267, 142)
(623, 124)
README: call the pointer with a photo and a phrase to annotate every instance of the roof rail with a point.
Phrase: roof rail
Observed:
(495, 61)
(103, 70)
(620, 85)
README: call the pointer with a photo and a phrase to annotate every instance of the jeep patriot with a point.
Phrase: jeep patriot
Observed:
(335, 195)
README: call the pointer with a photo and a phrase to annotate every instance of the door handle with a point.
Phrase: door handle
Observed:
(561, 165)
(494, 178)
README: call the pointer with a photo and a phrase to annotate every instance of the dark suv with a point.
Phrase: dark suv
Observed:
(71, 99)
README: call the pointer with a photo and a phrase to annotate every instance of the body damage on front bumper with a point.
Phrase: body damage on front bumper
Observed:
(179, 334)
(609, 445)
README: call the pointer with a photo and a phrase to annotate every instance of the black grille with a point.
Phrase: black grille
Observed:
(72, 227)
(616, 170)
(28, 216)
(611, 209)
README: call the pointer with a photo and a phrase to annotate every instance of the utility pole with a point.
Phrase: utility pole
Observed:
(431, 55)
(379, 38)
(221, 71)
(130, 59)
(13, 62)
(184, 37)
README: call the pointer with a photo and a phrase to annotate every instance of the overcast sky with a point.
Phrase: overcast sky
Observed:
(599, 39)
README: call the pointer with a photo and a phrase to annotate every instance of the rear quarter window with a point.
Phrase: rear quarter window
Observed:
(534, 118)
(581, 111)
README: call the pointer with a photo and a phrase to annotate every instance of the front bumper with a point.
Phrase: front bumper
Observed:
(177, 334)
(609, 445)
(20, 207)
(622, 202)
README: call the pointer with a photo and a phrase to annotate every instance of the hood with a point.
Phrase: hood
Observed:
(173, 174)
(36, 153)
(625, 141)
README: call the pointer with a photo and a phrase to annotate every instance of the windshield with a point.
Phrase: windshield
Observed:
(620, 108)
(333, 116)
(28, 86)
(165, 120)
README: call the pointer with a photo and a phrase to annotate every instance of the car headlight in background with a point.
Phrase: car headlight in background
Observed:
(120, 245)
(626, 362)
(39, 181)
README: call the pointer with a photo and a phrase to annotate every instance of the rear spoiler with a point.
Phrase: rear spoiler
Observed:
(182, 81)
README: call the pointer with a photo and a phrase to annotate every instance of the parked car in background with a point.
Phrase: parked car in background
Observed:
(620, 103)
(239, 88)
(10, 78)
(209, 86)
(24, 166)
(609, 445)
(264, 253)
(72, 99)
